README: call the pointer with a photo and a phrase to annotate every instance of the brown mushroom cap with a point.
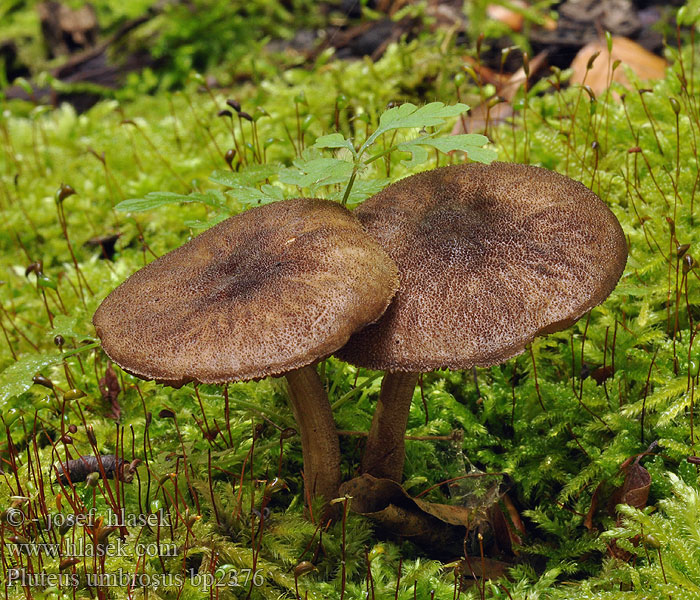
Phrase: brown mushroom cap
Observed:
(262, 293)
(489, 257)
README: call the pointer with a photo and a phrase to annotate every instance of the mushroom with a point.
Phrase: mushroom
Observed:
(265, 293)
(489, 257)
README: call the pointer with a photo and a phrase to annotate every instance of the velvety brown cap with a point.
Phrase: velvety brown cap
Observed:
(264, 292)
(489, 257)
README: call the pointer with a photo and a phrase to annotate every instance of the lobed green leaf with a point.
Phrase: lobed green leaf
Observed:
(213, 198)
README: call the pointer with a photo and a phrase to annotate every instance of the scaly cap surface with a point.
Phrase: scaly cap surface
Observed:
(489, 256)
(264, 292)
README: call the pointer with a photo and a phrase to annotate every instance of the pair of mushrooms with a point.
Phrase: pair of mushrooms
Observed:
(472, 261)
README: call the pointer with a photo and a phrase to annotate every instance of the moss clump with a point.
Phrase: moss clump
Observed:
(560, 420)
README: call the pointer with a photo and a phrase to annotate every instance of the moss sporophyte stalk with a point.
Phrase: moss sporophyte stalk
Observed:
(577, 422)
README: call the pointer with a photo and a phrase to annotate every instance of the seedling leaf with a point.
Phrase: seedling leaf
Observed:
(410, 115)
(214, 198)
(250, 196)
(471, 143)
(70, 327)
(18, 377)
(361, 190)
(334, 140)
(317, 172)
(249, 177)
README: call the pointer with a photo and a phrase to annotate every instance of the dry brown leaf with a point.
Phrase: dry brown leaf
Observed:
(588, 521)
(634, 492)
(440, 527)
(489, 112)
(506, 15)
(643, 64)
(502, 534)
(514, 19)
(517, 531)
(602, 374)
(635, 488)
(110, 389)
(476, 568)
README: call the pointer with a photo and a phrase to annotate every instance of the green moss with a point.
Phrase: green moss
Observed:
(556, 434)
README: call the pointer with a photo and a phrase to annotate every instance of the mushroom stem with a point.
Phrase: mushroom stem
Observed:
(319, 440)
(384, 453)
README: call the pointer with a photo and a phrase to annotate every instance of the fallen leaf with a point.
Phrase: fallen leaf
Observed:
(445, 530)
(635, 488)
(643, 64)
(515, 519)
(109, 387)
(588, 521)
(634, 492)
(507, 16)
(475, 568)
(498, 108)
(439, 527)
(105, 243)
(601, 374)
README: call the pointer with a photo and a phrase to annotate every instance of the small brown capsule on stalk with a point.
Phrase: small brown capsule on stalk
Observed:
(167, 477)
(303, 568)
(73, 394)
(274, 486)
(36, 267)
(688, 263)
(675, 105)
(66, 525)
(190, 519)
(91, 435)
(287, 432)
(64, 192)
(479, 42)
(105, 532)
(681, 249)
(44, 381)
(59, 341)
(67, 563)
(18, 539)
(166, 413)
(234, 104)
(591, 60)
